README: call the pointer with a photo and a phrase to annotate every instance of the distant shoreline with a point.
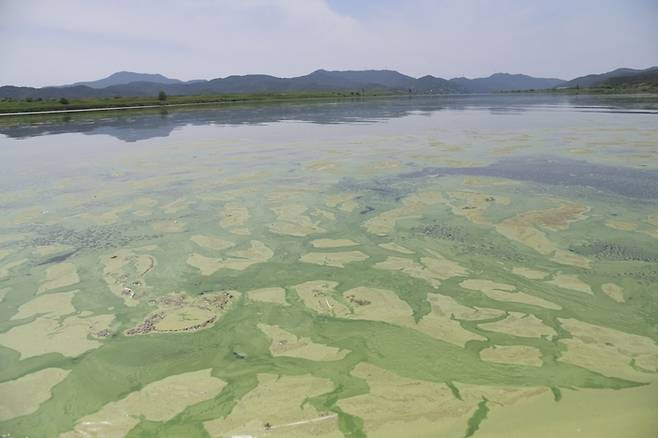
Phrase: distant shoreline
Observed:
(9, 109)
(23, 108)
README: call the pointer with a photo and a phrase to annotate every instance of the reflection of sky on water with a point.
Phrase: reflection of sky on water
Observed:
(421, 132)
(131, 126)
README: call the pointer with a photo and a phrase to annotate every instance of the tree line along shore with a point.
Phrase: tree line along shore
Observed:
(10, 106)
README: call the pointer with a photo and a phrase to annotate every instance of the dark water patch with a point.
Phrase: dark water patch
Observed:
(557, 394)
(454, 390)
(625, 181)
(646, 275)
(59, 258)
(618, 251)
(436, 230)
(383, 188)
(467, 243)
(496, 251)
(477, 418)
(93, 237)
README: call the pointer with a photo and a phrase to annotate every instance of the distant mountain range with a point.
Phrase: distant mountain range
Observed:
(505, 82)
(142, 84)
(618, 76)
(127, 77)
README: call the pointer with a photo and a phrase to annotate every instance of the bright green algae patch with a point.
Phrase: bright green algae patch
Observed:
(240, 293)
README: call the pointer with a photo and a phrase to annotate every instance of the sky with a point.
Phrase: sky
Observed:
(45, 42)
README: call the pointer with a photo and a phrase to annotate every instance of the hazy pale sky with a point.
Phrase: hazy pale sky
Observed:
(45, 42)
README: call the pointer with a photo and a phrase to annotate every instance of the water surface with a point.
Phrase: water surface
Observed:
(452, 266)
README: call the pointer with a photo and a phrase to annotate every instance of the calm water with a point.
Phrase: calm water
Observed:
(452, 266)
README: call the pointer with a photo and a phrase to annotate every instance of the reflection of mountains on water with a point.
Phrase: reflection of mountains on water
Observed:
(135, 125)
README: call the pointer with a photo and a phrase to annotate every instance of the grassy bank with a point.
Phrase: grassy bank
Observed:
(28, 106)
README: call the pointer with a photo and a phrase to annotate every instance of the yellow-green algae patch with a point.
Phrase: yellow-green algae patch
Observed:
(142, 207)
(343, 201)
(6, 269)
(285, 194)
(207, 265)
(507, 293)
(6, 238)
(392, 246)
(158, 401)
(107, 217)
(59, 275)
(513, 355)
(381, 166)
(431, 269)
(227, 195)
(520, 324)
(24, 395)
(175, 206)
(174, 226)
(586, 413)
(335, 259)
(412, 206)
(323, 166)
(275, 295)
(499, 397)
(384, 305)
(531, 274)
(475, 205)
(448, 306)
(47, 250)
(556, 219)
(55, 305)
(211, 242)
(69, 337)
(395, 406)
(614, 291)
(317, 295)
(292, 221)
(622, 226)
(525, 229)
(479, 181)
(564, 257)
(276, 407)
(180, 312)
(332, 243)
(609, 351)
(234, 217)
(379, 305)
(442, 266)
(570, 281)
(285, 343)
(238, 260)
(322, 214)
(517, 230)
(653, 233)
(124, 271)
(440, 325)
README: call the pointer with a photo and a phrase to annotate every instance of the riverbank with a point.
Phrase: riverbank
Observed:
(15, 108)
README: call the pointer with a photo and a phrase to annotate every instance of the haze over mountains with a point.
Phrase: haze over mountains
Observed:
(142, 84)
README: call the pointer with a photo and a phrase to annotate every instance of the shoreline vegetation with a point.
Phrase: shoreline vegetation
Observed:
(14, 107)
(27, 107)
